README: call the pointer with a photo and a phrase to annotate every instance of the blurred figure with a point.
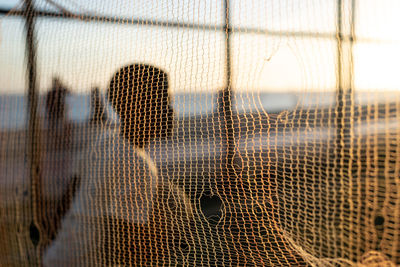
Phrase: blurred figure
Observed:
(56, 103)
(58, 181)
(97, 109)
(123, 209)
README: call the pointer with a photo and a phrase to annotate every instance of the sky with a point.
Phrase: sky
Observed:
(84, 54)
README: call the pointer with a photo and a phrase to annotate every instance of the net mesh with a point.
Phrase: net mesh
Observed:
(199, 133)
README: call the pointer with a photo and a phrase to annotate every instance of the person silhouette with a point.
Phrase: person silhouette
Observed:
(56, 103)
(56, 152)
(110, 219)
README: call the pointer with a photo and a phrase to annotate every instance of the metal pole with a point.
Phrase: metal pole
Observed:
(228, 30)
(169, 24)
(225, 99)
(33, 135)
(344, 114)
(344, 103)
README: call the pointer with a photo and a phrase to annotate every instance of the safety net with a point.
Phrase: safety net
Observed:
(199, 133)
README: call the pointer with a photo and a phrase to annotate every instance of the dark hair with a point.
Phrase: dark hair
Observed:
(139, 95)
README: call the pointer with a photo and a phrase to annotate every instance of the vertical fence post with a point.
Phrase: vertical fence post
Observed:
(345, 82)
(225, 99)
(344, 113)
(33, 135)
(344, 103)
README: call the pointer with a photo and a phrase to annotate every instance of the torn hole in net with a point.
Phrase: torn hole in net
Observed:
(211, 207)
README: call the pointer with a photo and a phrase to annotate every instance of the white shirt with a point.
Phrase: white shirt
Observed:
(117, 181)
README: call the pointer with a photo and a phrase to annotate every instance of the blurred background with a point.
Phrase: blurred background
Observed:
(291, 106)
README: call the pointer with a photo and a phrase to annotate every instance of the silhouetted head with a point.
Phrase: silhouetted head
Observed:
(139, 95)
(56, 82)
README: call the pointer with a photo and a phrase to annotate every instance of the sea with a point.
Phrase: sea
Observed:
(13, 107)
